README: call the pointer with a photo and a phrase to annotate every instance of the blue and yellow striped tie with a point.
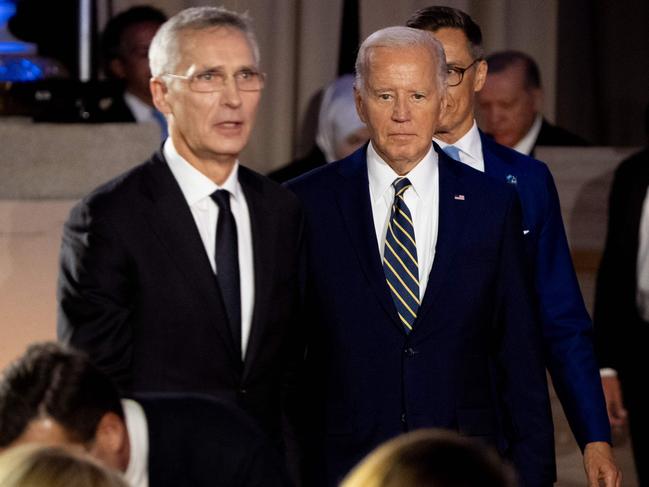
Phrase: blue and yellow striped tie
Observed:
(400, 258)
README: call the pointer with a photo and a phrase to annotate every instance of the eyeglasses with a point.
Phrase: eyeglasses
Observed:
(456, 74)
(214, 80)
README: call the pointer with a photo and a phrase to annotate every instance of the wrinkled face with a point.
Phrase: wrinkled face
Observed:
(458, 116)
(400, 103)
(507, 108)
(209, 126)
(133, 64)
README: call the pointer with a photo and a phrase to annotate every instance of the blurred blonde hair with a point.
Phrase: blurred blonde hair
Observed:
(35, 465)
(431, 458)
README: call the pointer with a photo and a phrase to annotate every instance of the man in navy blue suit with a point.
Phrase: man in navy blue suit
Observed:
(421, 307)
(566, 325)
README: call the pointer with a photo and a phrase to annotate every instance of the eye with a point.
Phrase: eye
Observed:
(246, 74)
(385, 96)
(205, 76)
(419, 96)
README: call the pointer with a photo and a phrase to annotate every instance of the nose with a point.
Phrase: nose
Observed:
(401, 109)
(230, 95)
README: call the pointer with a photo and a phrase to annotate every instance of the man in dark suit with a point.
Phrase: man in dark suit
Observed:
(510, 105)
(421, 308)
(53, 394)
(125, 47)
(137, 285)
(621, 315)
(567, 328)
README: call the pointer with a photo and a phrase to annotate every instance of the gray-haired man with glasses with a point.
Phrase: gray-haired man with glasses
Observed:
(180, 275)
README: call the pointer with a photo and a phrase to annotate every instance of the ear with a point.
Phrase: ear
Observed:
(116, 66)
(360, 108)
(159, 92)
(111, 444)
(480, 75)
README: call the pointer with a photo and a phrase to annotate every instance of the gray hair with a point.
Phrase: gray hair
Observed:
(165, 50)
(401, 37)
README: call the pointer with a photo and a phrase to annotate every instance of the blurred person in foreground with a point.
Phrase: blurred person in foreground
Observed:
(421, 309)
(431, 458)
(340, 131)
(54, 395)
(567, 328)
(42, 466)
(510, 105)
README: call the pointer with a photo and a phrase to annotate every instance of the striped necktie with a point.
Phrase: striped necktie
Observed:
(400, 258)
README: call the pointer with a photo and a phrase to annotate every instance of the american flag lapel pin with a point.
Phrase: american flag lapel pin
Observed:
(459, 197)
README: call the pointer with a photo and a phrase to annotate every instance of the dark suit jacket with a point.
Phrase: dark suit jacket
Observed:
(200, 442)
(314, 159)
(553, 135)
(621, 334)
(136, 291)
(566, 325)
(473, 362)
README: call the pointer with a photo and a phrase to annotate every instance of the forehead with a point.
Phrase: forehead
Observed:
(45, 431)
(456, 44)
(508, 81)
(214, 46)
(411, 66)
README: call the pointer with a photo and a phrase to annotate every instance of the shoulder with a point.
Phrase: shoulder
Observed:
(273, 195)
(634, 166)
(555, 135)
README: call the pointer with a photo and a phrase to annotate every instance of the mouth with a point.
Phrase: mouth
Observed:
(229, 126)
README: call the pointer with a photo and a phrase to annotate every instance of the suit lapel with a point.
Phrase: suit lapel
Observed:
(453, 202)
(494, 166)
(172, 222)
(353, 198)
(263, 261)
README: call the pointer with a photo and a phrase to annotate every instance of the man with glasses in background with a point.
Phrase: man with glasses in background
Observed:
(567, 329)
(180, 275)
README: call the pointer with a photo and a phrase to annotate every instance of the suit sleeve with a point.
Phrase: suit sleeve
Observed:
(567, 329)
(95, 293)
(522, 372)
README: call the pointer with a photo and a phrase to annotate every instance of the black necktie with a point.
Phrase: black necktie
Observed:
(227, 263)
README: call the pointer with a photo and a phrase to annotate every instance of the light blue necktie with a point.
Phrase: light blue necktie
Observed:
(453, 152)
(400, 258)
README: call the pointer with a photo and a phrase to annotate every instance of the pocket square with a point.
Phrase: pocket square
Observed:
(525, 232)
(459, 197)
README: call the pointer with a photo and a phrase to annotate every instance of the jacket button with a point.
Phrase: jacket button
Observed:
(243, 392)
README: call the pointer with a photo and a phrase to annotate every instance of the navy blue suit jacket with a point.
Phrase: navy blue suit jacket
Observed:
(567, 327)
(473, 362)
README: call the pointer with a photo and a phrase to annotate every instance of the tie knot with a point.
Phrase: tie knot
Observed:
(400, 185)
(222, 199)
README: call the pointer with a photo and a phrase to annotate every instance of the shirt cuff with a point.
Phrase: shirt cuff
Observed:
(607, 372)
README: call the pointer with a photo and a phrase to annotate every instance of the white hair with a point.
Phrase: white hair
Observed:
(164, 50)
(401, 37)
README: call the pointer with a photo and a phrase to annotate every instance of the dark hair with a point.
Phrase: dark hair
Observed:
(111, 39)
(499, 61)
(435, 18)
(54, 381)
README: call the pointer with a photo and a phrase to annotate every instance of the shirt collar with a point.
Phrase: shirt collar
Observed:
(381, 175)
(195, 185)
(469, 144)
(137, 472)
(526, 144)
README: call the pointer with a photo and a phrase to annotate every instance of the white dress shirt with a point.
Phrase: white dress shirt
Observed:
(526, 144)
(642, 265)
(470, 147)
(137, 471)
(422, 200)
(197, 188)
